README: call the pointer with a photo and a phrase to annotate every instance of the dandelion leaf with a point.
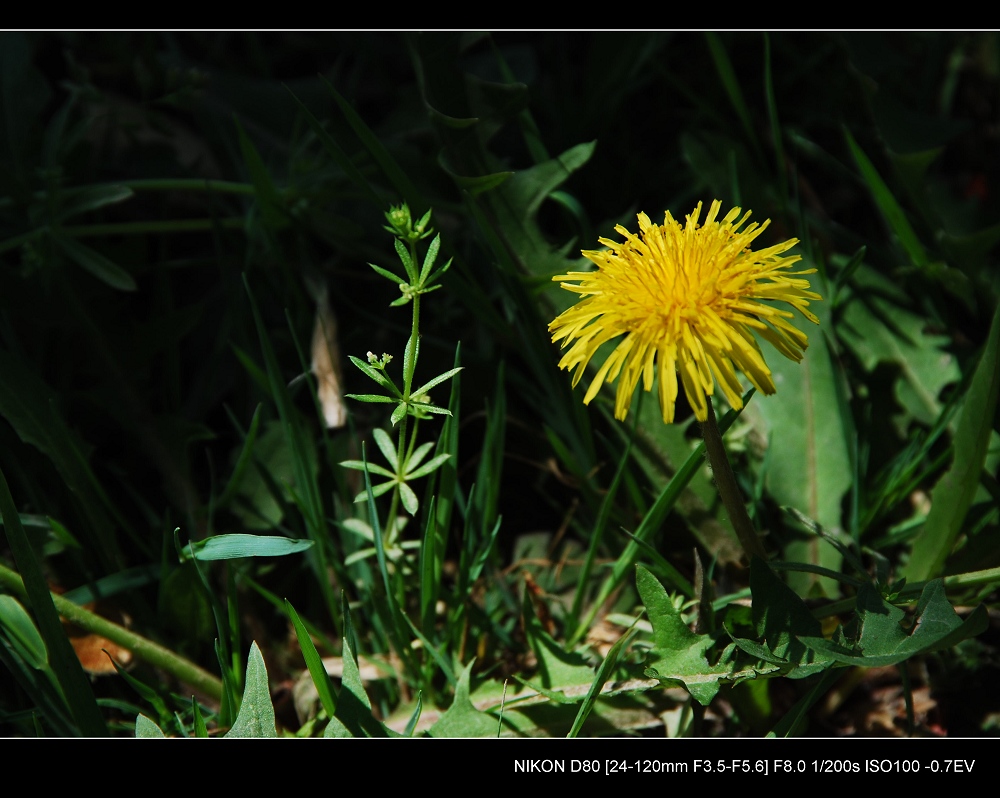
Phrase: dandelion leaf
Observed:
(557, 668)
(780, 617)
(884, 640)
(147, 729)
(808, 462)
(679, 655)
(462, 719)
(256, 715)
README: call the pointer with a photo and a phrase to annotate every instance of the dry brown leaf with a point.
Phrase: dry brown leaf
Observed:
(90, 648)
(326, 363)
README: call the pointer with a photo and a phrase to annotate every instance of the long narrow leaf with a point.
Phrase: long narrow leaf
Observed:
(74, 682)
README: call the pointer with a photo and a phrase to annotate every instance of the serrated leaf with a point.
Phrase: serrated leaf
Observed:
(230, 547)
(780, 618)
(517, 201)
(256, 715)
(678, 655)
(557, 667)
(883, 640)
(880, 331)
(462, 719)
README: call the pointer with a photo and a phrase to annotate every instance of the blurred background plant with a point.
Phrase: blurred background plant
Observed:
(186, 223)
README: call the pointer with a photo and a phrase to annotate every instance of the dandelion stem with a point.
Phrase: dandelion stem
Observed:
(728, 490)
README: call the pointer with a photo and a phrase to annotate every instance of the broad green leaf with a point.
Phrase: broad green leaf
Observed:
(780, 617)
(809, 465)
(952, 496)
(880, 331)
(256, 715)
(883, 640)
(336, 729)
(557, 667)
(231, 547)
(679, 655)
(462, 719)
(147, 729)
(517, 201)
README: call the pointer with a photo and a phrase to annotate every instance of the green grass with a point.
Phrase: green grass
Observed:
(476, 552)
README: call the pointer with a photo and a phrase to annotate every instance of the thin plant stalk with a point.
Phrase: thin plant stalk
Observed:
(728, 489)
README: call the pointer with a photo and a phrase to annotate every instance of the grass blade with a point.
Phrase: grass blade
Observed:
(75, 685)
(952, 496)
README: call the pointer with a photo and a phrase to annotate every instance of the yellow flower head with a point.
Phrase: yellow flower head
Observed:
(687, 299)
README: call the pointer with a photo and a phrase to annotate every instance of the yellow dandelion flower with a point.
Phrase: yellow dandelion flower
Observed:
(688, 299)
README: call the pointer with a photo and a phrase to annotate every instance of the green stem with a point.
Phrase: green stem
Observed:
(911, 590)
(158, 656)
(728, 489)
